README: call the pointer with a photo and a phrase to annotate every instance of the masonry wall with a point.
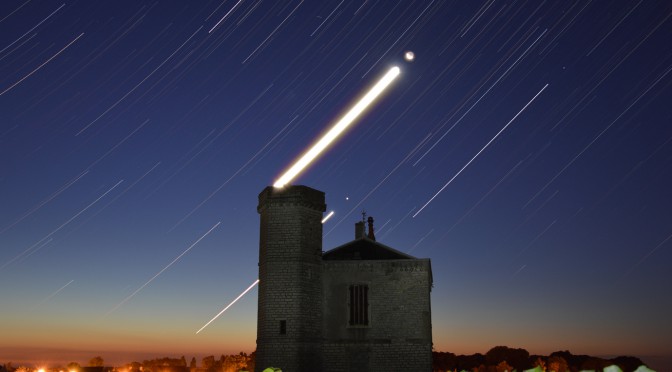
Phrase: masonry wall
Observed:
(289, 324)
(399, 334)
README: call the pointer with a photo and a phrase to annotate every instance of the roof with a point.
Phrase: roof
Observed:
(364, 249)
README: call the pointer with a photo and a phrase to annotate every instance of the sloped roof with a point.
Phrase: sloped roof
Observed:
(364, 249)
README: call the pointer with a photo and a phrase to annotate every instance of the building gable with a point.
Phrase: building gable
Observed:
(364, 249)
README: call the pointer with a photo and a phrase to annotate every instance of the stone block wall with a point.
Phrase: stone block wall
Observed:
(289, 324)
(399, 335)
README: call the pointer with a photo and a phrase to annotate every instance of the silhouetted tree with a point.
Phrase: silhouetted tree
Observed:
(557, 364)
(480, 368)
(443, 361)
(469, 362)
(147, 366)
(96, 362)
(539, 362)
(596, 364)
(134, 366)
(573, 361)
(516, 358)
(252, 361)
(503, 366)
(165, 364)
(627, 363)
(73, 366)
(208, 363)
(235, 362)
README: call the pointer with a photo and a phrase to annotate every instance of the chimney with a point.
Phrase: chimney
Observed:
(359, 230)
(371, 235)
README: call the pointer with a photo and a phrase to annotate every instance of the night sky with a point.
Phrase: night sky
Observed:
(135, 137)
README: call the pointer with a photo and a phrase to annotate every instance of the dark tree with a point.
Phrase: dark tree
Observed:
(627, 363)
(251, 362)
(557, 364)
(516, 358)
(594, 363)
(537, 360)
(208, 363)
(574, 361)
(469, 362)
(443, 361)
(96, 362)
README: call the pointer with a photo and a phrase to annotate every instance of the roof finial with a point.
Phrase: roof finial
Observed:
(372, 236)
(363, 215)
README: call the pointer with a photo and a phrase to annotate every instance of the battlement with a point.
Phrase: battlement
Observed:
(292, 196)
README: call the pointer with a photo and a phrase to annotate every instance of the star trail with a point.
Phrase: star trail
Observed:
(128, 129)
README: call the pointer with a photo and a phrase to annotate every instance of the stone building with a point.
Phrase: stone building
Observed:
(362, 306)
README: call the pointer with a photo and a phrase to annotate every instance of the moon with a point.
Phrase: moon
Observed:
(409, 56)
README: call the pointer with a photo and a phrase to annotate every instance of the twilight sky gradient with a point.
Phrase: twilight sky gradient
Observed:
(129, 129)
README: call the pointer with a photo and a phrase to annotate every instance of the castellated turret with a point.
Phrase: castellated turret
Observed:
(289, 323)
(360, 307)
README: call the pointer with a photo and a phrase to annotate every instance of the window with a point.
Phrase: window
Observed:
(359, 305)
(283, 327)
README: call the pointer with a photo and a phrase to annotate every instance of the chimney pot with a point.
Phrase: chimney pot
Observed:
(359, 230)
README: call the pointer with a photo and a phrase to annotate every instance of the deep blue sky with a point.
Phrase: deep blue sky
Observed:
(128, 130)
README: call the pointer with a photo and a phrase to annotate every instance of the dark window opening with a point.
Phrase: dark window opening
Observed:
(359, 305)
(283, 327)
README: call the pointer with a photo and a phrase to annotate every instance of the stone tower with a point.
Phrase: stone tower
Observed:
(289, 324)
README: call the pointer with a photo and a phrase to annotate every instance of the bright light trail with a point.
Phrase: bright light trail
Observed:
(478, 153)
(339, 127)
(229, 305)
(327, 217)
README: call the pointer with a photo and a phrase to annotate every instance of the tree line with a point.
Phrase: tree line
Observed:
(225, 363)
(503, 358)
(497, 359)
